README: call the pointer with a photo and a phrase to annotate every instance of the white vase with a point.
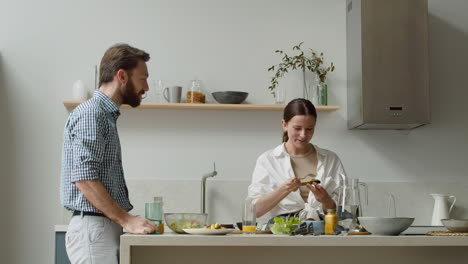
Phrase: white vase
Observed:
(80, 92)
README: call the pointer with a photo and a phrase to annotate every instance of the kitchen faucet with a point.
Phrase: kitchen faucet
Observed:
(203, 186)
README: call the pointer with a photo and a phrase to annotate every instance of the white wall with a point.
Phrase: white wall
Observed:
(46, 46)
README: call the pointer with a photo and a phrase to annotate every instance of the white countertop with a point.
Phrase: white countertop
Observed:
(172, 239)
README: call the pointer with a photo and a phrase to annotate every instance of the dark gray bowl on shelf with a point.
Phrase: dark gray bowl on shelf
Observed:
(230, 97)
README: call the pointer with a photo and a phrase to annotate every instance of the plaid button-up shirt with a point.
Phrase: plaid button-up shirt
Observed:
(91, 151)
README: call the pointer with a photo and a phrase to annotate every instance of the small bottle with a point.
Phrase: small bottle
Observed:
(154, 213)
(331, 220)
(249, 217)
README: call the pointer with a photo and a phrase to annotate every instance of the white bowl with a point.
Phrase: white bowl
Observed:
(456, 225)
(385, 226)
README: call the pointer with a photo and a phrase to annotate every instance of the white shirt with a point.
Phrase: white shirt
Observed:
(273, 168)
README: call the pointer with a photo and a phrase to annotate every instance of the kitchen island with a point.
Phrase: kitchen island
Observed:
(176, 248)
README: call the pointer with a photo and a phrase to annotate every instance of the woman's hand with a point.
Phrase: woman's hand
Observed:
(292, 184)
(322, 196)
(270, 200)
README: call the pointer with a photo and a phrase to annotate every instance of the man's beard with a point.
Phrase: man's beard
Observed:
(130, 96)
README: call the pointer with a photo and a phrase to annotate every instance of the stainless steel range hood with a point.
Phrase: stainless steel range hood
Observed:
(387, 62)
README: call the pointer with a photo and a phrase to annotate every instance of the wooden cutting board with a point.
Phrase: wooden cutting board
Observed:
(238, 232)
(359, 233)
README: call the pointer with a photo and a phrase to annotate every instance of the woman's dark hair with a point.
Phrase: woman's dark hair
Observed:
(299, 106)
(120, 56)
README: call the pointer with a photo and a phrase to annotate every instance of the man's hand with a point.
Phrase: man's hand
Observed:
(99, 197)
(138, 225)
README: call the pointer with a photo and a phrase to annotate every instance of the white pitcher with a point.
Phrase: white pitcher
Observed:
(441, 209)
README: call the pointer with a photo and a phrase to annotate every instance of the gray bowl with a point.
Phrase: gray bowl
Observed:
(456, 225)
(230, 97)
(385, 226)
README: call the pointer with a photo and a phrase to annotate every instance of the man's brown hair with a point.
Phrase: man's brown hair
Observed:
(119, 56)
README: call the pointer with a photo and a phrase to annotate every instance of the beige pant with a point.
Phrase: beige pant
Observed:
(93, 240)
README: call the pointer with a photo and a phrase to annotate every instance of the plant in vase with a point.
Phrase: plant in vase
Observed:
(302, 62)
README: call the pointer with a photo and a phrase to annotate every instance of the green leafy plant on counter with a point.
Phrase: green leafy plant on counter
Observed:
(302, 62)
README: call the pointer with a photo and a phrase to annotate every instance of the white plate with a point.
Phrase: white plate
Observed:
(203, 231)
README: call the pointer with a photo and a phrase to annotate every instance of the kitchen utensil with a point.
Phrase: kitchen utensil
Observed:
(230, 97)
(349, 205)
(456, 225)
(385, 226)
(172, 94)
(441, 209)
(178, 221)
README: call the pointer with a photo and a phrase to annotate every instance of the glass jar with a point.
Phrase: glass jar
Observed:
(331, 220)
(195, 94)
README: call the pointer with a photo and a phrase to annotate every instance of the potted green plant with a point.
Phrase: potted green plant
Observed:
(300, 61)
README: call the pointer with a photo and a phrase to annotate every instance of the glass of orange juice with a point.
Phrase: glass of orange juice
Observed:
(249, 219)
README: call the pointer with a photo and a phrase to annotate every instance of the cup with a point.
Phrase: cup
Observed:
(280, 95)
(249, 221)
(79, 91)
(154, 213)
(155, 93)
(172, 94)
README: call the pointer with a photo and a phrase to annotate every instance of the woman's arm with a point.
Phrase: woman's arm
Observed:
(270, 200)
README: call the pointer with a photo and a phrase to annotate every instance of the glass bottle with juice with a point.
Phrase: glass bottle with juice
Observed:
(331, 220)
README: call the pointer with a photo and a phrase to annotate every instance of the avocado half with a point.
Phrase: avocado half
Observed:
(310, 181)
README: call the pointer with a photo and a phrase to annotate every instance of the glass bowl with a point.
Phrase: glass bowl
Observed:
(283, 229)
(178, 221)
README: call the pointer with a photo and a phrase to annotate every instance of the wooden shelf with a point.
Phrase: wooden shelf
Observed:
(70, 105)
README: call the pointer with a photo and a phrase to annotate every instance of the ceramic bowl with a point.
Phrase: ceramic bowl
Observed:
(456, 225)
(230, 97)
(178, 221)
(385, 226)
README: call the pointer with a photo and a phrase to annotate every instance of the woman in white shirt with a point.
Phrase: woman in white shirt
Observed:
(276, 181)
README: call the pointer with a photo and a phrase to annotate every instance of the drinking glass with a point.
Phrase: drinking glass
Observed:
(249, 219)
(280, 95)
(154, 213)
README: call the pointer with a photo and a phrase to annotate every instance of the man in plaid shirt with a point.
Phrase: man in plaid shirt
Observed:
(92, 180)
